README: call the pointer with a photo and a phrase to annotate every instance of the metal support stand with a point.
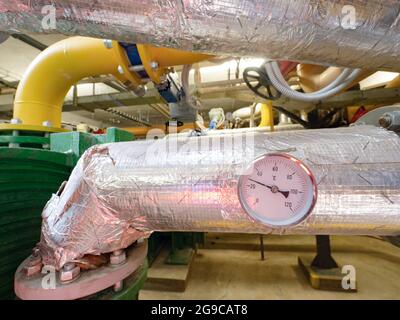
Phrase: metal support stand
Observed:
(323, 259)
(262, 247)
(323, 272)
(182, 248)
(170, 270)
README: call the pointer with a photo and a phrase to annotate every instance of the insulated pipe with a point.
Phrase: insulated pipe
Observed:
(128, 190)
(42, 90)
(346, 33)
(315, 77)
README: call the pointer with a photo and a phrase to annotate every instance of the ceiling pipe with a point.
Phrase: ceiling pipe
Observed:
(301, 30)
(29, 41)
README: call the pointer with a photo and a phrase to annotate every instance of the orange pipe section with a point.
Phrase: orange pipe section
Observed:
(314, 77)
(395, 83)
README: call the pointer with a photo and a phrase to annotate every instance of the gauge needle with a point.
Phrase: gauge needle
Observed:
(284, 193)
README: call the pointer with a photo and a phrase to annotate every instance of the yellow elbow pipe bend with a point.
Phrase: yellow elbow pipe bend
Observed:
(42, 90)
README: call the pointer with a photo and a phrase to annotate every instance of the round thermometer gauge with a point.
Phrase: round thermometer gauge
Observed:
(278, 190)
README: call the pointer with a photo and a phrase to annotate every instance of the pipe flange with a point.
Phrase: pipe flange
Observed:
(88, 283)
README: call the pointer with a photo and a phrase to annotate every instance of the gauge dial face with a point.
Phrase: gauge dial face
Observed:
(278, 190)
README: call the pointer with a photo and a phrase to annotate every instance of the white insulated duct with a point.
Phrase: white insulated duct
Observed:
(124, 191)
(350, 33)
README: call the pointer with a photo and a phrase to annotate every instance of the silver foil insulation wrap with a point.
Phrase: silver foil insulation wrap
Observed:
(124, 191)
(352, 33)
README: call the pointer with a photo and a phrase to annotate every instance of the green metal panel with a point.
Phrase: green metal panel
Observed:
(118, 135)
(28, 177)
(77, 143)
(74, 143)
(26, 139)
(182, 246)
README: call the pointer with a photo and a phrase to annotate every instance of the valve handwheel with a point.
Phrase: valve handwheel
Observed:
(258, 81)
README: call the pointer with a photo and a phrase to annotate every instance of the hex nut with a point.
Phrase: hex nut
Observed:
(385, 121)
(46, 123)
(34, 260)
(108, 43)
(33, 265)
(15, 121)
(32, 270)
(119, 286)
(117, 258)
(69, 275)
(140, 91)
(154, 65)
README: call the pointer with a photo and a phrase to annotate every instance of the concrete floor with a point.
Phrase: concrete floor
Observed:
(230, 268)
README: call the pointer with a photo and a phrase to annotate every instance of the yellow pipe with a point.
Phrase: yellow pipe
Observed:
(41, 92)
(267, 116)
(165, 58)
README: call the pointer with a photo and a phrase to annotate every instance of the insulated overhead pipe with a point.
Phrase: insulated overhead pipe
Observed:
(367, 32)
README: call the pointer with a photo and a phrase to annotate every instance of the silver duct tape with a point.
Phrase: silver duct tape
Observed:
(350, 33)
(124, 191)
